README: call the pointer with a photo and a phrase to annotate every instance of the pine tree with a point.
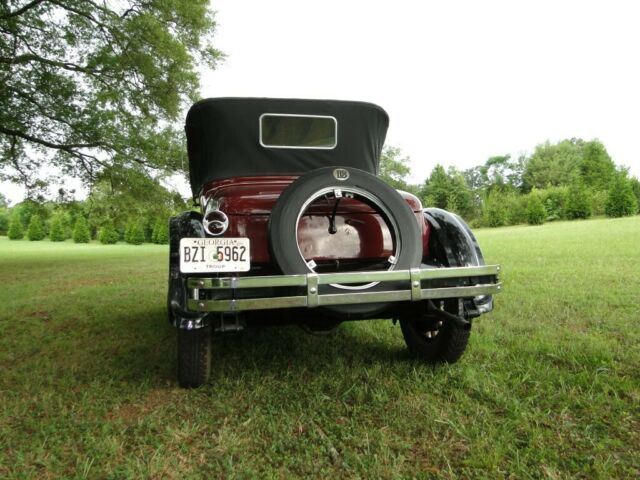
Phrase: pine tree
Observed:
(56, 230)
(16, 231)
(35, 231)
(160, 233)
(135, 233)
(108, 234)
(536, 213)
(81, 232)
(621, 201)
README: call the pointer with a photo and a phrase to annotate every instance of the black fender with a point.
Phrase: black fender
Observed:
(184, 225)
(455, 245)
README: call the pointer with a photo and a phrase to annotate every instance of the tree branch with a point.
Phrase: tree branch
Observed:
(22, 10)
(67, 147)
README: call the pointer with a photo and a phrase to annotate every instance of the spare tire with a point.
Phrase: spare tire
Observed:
(344, 181)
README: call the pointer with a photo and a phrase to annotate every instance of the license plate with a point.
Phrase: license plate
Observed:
(208, 255)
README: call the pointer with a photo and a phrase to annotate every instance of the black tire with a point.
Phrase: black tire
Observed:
(194, 357)
(447, 346)
(383, 198)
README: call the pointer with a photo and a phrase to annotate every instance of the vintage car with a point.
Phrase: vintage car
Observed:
(295, 227)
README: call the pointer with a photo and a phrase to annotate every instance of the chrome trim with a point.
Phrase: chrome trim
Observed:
(354, 191)
(335, 123)
(213, 206)
(314, 298)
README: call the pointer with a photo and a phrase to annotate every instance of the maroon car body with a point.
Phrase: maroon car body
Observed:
(295, 227)
(362, 234)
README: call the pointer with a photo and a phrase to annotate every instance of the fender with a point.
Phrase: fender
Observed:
(185, 225)
(459, 246)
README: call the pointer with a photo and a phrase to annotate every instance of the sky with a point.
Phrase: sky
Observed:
(461, 80)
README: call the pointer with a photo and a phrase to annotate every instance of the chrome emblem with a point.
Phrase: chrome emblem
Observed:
(341, 174)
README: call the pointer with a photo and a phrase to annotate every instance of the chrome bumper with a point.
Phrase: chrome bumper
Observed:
(407, 286)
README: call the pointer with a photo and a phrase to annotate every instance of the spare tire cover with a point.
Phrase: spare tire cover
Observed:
(283, 222)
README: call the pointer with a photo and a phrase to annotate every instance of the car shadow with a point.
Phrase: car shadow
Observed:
(145, 351)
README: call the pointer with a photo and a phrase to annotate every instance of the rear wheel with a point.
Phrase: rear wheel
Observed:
(433, 339)
(194, 356)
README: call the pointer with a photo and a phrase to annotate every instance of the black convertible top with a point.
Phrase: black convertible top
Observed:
(223, 138)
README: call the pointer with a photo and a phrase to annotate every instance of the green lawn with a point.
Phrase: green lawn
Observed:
(549, 386)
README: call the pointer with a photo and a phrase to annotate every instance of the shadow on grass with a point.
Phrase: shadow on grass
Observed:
(145, 351)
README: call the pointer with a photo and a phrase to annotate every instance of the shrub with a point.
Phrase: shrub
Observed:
(81, 232)
(598, 202)
(56, 230)
(494, 212)
(578, 201)
(516, 208)
(554, 200)
(536, 212)
(134, 233)
(160, 234)
(108, 234)
(35, 231)
(4, 222)
(15, 231)
(621, 201)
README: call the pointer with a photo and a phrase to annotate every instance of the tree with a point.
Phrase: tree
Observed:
(621, 201)
(123, 195)
(536, 213)
(160, 233)
(3, 202)
(88, 85)
(81, 233)
(635, 186)
(56, 229)
(596, 167)
(35, 231)
(436, 189)
(578, 201)
(394, 168)
(4, 221)
(15, 231)
(134, 233)
(108, 234)
(494, 211)
(554, 165)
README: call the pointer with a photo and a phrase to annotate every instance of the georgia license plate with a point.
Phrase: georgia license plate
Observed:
(207, 255)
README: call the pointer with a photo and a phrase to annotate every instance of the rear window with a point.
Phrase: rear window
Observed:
(279, 130)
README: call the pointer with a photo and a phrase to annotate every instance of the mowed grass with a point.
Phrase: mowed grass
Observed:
(548, 388)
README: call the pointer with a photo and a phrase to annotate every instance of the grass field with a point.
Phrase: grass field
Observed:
(548, 388)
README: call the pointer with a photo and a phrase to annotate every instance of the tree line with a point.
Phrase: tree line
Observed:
(571, 179)
(121, 206)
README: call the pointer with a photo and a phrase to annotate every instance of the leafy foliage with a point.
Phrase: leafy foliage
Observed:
(578, 201)
(395, 170)
(81, 233)
(536, 213)
(554, 164)
(160, 233)
(35, 231)
(57, 231)
(597, 170)
(108, 234)
(495, 212)
(621, 201)
(134, 234)
(4, 221)
(16, 231)
(91, 85)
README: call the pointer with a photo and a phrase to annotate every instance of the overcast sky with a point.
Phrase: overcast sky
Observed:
(461, 80)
